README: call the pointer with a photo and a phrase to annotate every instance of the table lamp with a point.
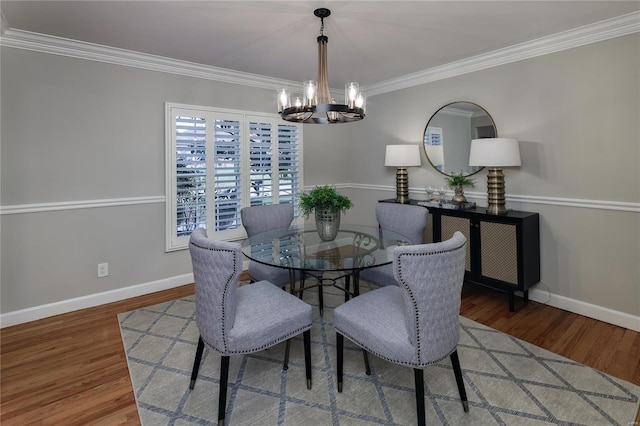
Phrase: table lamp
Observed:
(495, 153)
(402, 156)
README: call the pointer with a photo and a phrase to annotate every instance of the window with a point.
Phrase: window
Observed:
(219, 161)
(433, 147)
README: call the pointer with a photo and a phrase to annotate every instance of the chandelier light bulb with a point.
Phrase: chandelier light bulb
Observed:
(351, 93)
(309, 91)
(284, 101)
(359, 102)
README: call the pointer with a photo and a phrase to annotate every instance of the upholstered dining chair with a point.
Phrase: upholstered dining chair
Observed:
(405, 219)
(415, 323)
(256, 219)
(262, 218)
(236, 320)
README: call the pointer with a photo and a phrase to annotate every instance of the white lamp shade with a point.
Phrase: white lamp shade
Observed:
(494, 152)
(402, 156)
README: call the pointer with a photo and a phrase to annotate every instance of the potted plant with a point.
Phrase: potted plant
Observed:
(458, 181)
(327, 204)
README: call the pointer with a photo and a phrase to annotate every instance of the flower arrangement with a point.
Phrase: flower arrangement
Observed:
(323, 198)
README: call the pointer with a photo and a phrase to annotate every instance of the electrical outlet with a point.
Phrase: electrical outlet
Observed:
(103, 270)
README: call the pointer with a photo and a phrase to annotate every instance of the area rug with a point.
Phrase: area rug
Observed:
(508, 381)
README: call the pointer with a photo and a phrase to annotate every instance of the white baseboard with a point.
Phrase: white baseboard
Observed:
(38, 312)
(64, 306)
(587, 309)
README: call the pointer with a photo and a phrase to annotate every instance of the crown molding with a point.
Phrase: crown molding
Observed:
(604, 30)
(43, 43)
(588, 34)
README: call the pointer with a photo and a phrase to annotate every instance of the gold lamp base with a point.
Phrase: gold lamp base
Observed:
(495, 192)
(402, 185)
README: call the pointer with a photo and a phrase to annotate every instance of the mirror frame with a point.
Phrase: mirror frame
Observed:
(495, 130)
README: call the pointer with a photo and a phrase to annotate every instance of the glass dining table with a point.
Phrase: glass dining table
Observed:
(300, 250)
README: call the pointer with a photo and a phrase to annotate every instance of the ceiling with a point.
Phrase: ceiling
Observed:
(369, 41)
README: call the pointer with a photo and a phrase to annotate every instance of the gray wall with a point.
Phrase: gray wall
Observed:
(576, 115)
(76, 131)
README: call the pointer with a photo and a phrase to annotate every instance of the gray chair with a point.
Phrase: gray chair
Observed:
(236, 320)
(415, 323)
(256, 219)
(405, 219)
(262, 218)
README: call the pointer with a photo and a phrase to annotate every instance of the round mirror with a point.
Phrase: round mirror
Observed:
(448, 135)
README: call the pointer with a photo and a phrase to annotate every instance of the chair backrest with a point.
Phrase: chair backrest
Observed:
(405, 219)
(432, 275)
(257, 219)
(217, 266)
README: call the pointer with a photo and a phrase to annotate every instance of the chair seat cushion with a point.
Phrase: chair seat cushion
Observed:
(379, 275)
(261, 272)
(376, 322)
(259, 320)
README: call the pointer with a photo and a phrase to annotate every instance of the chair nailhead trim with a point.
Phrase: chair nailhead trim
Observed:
(264, 346)
(411, 296)
(407, 364)
(226, 287)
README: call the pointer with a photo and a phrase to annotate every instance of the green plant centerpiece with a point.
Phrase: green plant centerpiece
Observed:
(328, 205)
(458, 181)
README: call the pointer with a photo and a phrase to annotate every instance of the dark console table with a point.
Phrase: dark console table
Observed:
(503, 252)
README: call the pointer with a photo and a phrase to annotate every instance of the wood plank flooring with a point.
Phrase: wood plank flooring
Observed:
(71, 369)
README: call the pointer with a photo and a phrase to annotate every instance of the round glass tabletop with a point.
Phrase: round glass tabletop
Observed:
(300, 247)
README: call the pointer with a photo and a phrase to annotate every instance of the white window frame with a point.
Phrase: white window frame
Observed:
(172, 110)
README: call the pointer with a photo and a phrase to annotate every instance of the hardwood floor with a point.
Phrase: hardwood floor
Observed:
(71, 369)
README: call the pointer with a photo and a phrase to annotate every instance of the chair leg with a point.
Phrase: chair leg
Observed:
(224, 381)
(320, 298)
(287, 348)
(367, 368)
(419, 377)
(303, 274)
(307, 356)
(347, 285)
(196, 363)
(339, 356)
(455, 362)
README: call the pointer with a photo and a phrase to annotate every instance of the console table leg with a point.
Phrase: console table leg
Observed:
(525, 296)
(511, 300)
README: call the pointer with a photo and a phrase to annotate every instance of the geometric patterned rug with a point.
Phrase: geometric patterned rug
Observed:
(508, 381)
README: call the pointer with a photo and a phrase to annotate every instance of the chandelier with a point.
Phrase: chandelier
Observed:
(316, 104)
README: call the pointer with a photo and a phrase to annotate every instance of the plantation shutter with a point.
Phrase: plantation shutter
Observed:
(219, 161)
(191, 174)
(261, 163)
(288, 164)
(227, 174)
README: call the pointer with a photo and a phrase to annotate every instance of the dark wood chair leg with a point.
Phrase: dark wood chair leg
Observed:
(320, 297)
(307, 356)
(224, 381)
(292, 279)
(339, 356)
(455, 363)
(419, 377)
(196, 363)
(287, 347)
(367, 368)
(347, 284)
